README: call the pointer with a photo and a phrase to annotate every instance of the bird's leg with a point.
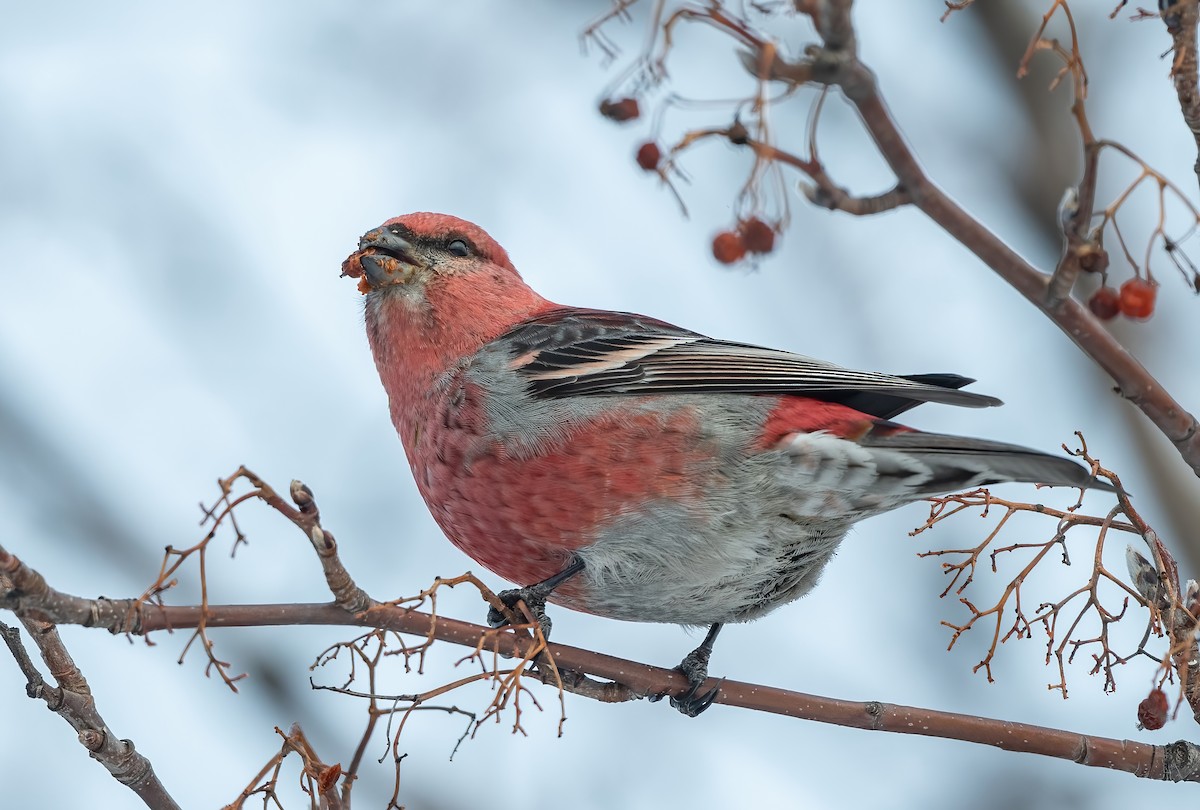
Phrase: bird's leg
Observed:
(694, 667)
(534, 597)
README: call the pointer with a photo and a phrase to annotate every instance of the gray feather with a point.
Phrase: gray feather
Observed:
(958, 462)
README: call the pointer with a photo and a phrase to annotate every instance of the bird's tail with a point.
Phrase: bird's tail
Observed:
(956, 462)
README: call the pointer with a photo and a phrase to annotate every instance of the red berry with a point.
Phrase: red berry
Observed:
(649, 156)
(620, 109)
(758, 235)
(1105, 304)
(728, 247)
(1152, 712)
(1137, 298)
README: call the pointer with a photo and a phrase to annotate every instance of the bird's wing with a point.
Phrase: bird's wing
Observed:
(571, 352)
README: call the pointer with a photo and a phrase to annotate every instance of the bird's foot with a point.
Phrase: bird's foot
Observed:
(534, 596)
(694, 667)
(534, 599)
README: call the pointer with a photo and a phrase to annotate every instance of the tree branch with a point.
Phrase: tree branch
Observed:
(72, 701)
(1181, 18)
(1178, 761)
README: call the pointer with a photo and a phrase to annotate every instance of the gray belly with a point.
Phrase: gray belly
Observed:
(669, 567)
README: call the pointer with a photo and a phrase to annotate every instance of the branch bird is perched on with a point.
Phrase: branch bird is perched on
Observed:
(622, 466)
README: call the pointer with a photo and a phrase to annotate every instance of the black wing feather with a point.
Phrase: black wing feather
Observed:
(570, 352)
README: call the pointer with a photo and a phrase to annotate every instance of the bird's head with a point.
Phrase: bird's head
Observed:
(437, 289)
(416, 250)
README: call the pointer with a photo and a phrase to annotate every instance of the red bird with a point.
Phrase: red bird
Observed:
(625, 467)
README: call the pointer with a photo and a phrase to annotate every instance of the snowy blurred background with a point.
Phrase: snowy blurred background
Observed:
(178, 186)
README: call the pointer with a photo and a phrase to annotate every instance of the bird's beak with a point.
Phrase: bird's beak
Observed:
(383, 258)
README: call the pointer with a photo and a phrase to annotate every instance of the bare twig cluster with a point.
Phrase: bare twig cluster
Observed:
(1084, 225)
(26, 592)
(366, 654)
(1081, 620)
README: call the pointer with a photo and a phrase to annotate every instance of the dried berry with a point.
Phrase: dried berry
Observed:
(1152, 712)
(1105, 303)
(758, 235)
(728, 247)
(353, 268)
(1137, 298)
(649, 156)
(328, 777)
(620, 109)
(1092, 259)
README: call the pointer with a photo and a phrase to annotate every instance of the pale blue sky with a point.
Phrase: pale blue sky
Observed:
(178, 187)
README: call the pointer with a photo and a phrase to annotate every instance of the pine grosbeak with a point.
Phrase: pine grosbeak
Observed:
(622, 466)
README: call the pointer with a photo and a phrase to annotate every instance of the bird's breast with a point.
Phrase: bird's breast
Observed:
(520, 496)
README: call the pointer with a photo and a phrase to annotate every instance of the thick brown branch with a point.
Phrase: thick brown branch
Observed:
(1177, 762)
(25, 586)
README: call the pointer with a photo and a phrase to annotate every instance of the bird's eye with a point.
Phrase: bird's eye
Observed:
(459, 248)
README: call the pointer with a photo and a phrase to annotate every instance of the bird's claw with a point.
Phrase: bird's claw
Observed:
(694, 667)
(533, 598)
(692, 704)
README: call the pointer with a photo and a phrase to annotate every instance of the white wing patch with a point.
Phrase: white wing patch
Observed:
(610, 361)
